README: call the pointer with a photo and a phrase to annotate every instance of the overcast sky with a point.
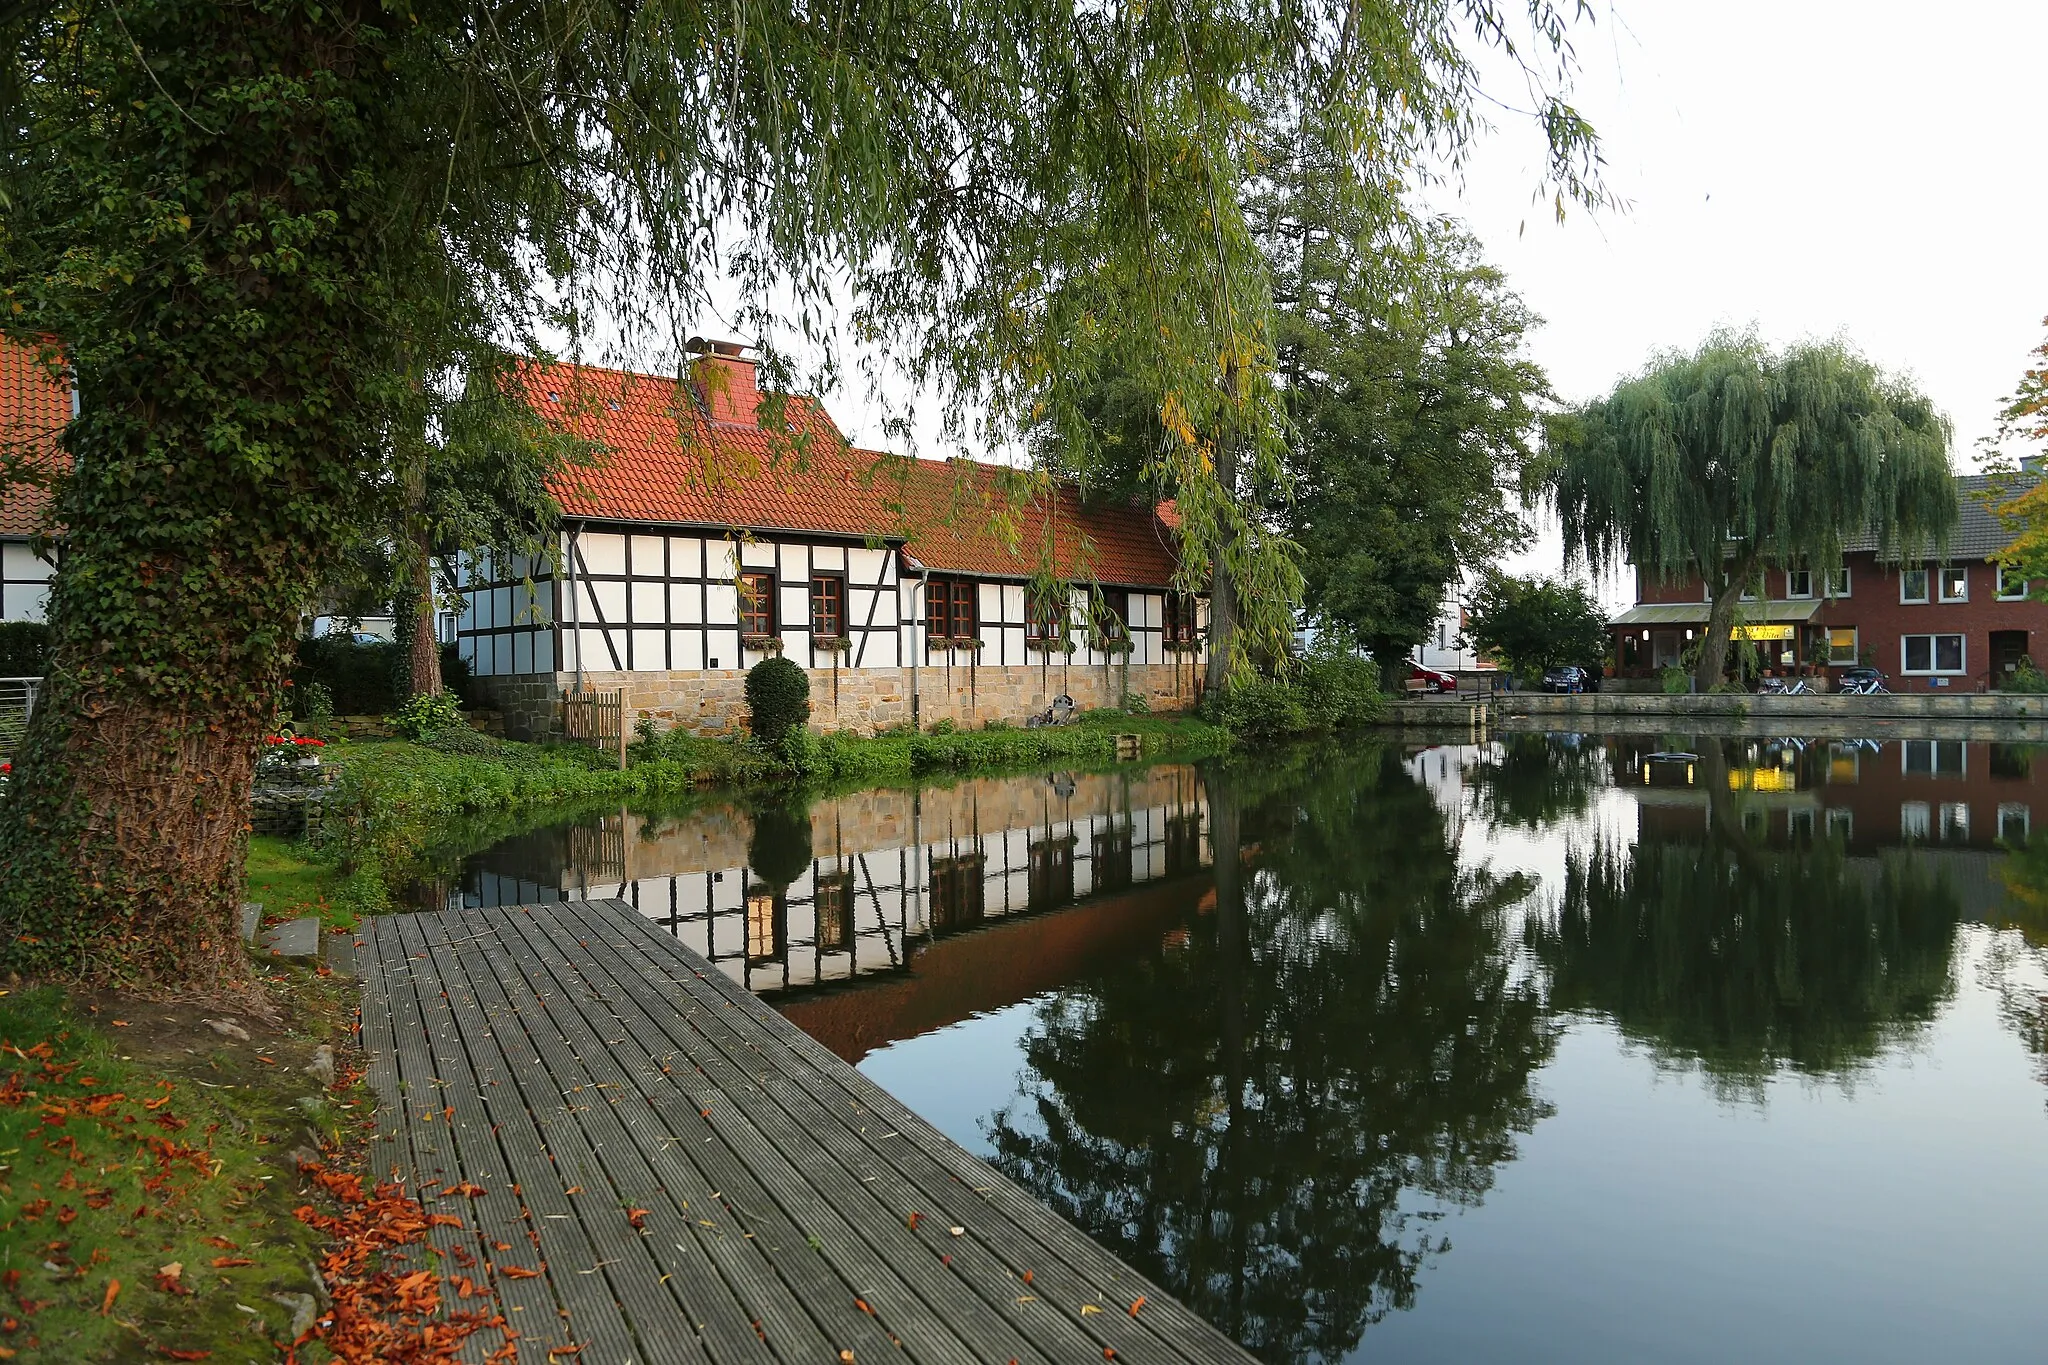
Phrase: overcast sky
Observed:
(1809, 167)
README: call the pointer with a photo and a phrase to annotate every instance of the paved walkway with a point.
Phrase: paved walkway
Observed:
(652, 1166)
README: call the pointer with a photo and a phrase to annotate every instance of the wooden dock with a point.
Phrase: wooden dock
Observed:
(694, 1179)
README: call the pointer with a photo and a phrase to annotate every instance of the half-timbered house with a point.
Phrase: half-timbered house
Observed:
(33, 411)
(720, 525)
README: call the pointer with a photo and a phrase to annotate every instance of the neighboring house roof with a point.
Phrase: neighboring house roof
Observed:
(1979, 533)
(698, 455)
(33, 412)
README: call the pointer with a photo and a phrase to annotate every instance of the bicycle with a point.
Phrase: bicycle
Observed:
(1866, 687)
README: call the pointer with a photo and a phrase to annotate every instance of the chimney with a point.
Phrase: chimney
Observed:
(724, 379)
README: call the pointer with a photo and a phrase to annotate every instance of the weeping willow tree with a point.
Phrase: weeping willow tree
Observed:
(223, 214)
(1737, 460)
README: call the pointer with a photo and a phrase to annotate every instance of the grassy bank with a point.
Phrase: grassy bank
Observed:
(148, 1174)
(395, 799)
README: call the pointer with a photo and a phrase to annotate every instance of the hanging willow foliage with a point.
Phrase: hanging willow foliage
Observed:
(1737, 459)
(260, 230)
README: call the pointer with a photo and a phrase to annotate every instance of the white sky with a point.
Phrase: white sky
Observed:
(1864, 168)
(1812, 167)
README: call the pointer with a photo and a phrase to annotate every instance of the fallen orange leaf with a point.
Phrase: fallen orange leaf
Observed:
(1136, 1304)
(107, 1302)
(230, 1262)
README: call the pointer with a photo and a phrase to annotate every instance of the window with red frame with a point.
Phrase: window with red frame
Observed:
(828, 606)
(757, 604)
(1113, 618)
(949, 608)
(1180, 618)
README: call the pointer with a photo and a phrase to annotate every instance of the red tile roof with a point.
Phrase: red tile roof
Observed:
(33, 411)
(699, 456)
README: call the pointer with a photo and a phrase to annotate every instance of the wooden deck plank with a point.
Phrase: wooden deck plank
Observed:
(852, 1130)
(716, 1287)
(895, 1269)
(577, 1047)
(570, 1312)
(1042, 1234)
(408, 1093)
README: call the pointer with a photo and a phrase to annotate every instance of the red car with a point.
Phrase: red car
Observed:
(1430, 680)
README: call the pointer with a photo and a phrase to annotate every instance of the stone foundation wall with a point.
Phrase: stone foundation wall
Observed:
(859, 700)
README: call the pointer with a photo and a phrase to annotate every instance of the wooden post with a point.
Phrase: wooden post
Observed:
(622, 729)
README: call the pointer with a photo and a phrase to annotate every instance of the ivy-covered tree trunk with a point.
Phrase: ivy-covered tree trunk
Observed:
(203, 246)
(416, 622)
(1223, 610)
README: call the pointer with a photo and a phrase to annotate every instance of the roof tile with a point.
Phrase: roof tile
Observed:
(664, 460)
(33, 412)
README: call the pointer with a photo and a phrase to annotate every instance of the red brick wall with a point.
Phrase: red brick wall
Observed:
(1880, 619)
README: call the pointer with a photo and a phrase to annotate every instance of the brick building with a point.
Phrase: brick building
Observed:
(721, 526)
(1930, 624)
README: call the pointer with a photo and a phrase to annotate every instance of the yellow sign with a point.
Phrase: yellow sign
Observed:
(1765, 633)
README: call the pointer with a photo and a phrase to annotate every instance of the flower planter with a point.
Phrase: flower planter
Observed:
(762, 644)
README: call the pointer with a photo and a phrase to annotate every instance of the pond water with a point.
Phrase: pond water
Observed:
(1555, 1048)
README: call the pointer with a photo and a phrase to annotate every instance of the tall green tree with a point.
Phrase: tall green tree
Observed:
(1737, 459)
(225, 212)
(1414, 408)
(1535, 623)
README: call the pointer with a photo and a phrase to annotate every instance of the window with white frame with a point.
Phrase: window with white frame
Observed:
(1915, 819)
(2011, 586)
(1955, 584)
(1933, 757)
(1799, 825)
(2015, 822)
(1955, 822)
(1930, 653)
(1842, 645)
(1798, 582)
(1838, 582)
(1841, 823)
(1913, 585)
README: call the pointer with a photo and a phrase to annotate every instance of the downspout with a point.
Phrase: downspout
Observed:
(575, 612)
(924, 584)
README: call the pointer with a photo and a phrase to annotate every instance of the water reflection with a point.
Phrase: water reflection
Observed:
(1270, 1077)
(1270, 1112)
(783, 896)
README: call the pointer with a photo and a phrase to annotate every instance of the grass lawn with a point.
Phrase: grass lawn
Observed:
(147, 1180)
(290, 884)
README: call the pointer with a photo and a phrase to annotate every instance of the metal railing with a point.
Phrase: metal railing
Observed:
(17, 704)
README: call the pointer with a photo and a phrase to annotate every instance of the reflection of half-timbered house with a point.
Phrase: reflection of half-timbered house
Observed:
(33, 410)
(721, 526)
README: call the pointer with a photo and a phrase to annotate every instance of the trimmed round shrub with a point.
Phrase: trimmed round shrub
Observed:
(778, 699)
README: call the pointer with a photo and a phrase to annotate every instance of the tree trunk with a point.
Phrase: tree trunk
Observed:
(1222, 587)
(423, 646)
(1713, 660)
(229, 414)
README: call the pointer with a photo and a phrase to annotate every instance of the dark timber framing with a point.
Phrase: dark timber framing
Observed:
(697, 1180)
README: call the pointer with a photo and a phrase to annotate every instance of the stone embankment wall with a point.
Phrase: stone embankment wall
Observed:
(858, 700)
(1828, 706)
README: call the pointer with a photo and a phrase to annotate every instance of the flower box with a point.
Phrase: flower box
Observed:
(1118, 644)
(832, 644)
(762, 644)
(1044, 646)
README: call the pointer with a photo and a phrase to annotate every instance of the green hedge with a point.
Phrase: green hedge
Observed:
(364, 679)
(24, 649)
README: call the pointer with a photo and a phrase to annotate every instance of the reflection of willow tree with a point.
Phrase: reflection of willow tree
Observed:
(1253, 1117)
(1744, 959)
(1536, 779)
(2016, 963)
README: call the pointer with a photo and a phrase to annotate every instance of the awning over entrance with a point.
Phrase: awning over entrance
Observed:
(1695, 613)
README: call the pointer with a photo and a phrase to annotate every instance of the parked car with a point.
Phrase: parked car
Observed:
(1568, 678)
(1431, 680)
